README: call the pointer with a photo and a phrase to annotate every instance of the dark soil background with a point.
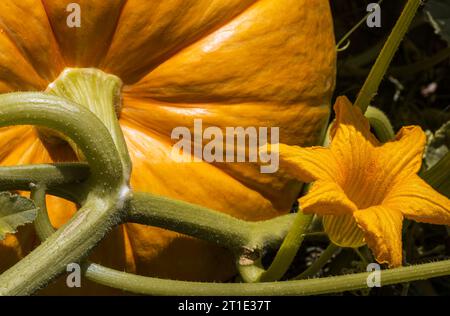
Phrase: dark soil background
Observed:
(423, 59)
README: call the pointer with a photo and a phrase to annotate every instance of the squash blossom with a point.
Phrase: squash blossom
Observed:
(364, 189)
(237, 63)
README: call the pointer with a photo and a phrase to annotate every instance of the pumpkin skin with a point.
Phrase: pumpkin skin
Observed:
(229, 63)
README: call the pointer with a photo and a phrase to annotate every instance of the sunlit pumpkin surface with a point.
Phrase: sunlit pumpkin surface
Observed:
(229, 63)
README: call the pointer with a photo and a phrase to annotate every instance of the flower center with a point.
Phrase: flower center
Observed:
(367, 185)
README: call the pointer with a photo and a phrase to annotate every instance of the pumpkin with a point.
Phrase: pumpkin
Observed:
(229, 63)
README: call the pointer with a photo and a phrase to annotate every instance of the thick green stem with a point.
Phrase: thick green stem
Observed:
(63, 179)
(159, 211)
(19, 177)
(155, 286)
(98, 213)
(288, 249)
(206, 224)
(42, 225)
(383, 61)
(246, 238)
(76, 122)
(101, 94)
(69, 244)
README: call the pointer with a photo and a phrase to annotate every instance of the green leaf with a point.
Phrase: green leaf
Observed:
(438, 12)
(15, 211)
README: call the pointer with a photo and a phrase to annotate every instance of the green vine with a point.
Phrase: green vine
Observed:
(156, 286)
(102, 198)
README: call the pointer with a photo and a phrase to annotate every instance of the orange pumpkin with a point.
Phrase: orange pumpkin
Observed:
(229, 63)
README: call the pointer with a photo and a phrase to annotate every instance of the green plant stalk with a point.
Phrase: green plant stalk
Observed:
(178, 216)
(252, 272)
(206, 224)
(42, 225)
(69, 244)
(154, 210)
(77, 122)
(65, 180)
(156, 286)
(244, 239)
(319, 263)
(383, 61)
(20, 177)
(136, 214)
(98, 213)
(288, 249)
(101, 94)
(165, 213)
(352, 67)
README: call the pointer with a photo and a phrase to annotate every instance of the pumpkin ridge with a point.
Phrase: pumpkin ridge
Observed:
(186, 102)
(36, 85)
(20, 49)
(174, 51)
(207, 32)
(113, 33)
(290, 186)
(76, 52)
(270, 68)
(127, 120)
(58, 46)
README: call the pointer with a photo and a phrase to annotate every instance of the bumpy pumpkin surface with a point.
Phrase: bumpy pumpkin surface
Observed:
(229, 63)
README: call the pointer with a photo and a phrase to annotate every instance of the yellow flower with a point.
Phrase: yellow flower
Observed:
(360, 183)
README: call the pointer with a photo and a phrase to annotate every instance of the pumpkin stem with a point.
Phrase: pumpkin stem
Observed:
(101, 94)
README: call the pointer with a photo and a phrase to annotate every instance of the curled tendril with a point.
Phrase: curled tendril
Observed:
(340, 46)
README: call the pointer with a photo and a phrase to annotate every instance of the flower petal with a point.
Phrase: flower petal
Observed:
(326, 198)
(343, 231)
(420, 202)
(308, 164)
(371, 182)
(382, 227)
(404, 154)
(353, 146)
(350, 123)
